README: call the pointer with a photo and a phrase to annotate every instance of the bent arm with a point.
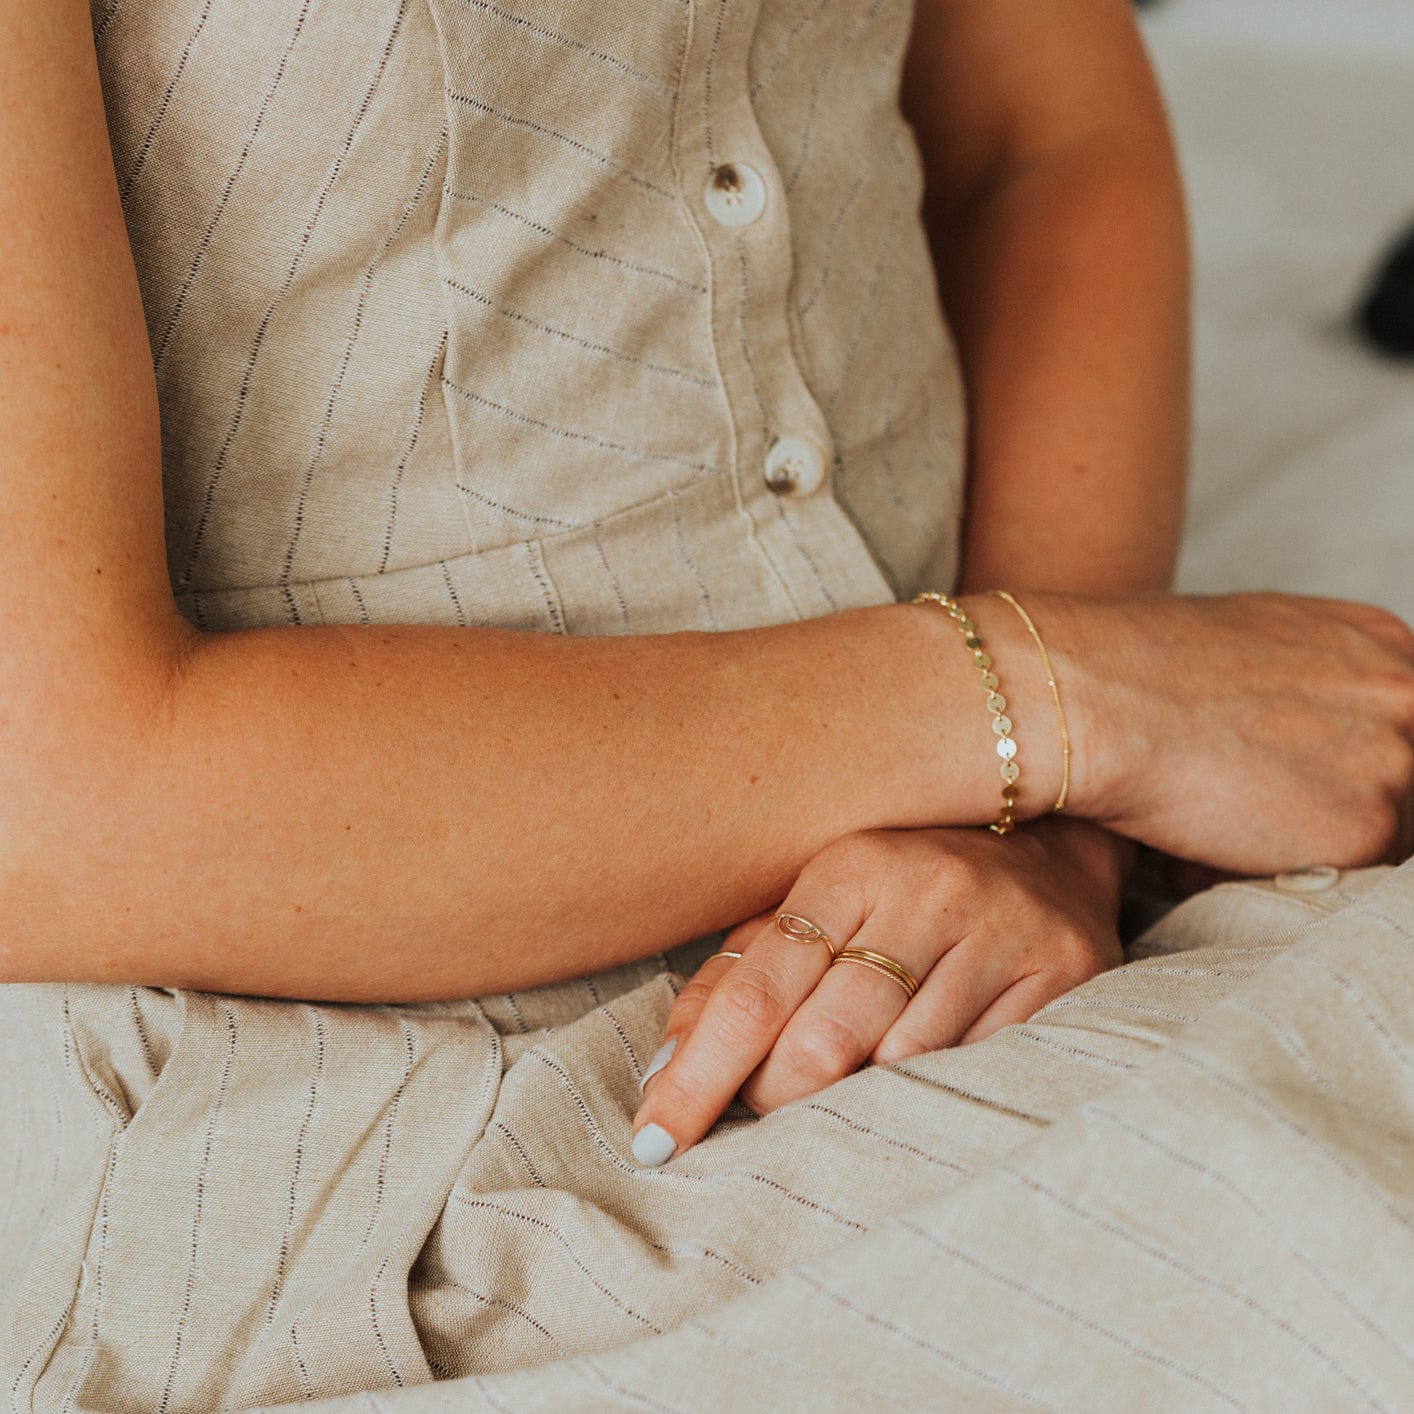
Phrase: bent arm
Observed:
(414, 812)
(367, 813)
(1057, 221)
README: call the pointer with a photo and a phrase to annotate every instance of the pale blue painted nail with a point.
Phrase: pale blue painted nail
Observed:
(653, 1146)
(663, 1056)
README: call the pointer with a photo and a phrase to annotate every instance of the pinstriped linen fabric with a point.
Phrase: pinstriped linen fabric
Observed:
(446, 332)
(1184, 1185)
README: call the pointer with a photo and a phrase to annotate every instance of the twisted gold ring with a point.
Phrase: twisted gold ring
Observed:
(802, 930)
(885, 966)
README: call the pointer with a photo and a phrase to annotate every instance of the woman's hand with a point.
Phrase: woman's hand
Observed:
(1249, 732)
(993, 928)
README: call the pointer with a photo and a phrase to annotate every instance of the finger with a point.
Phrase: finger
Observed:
(687, 1005)
(686, 1010)
(838, 1026)
(738, 1024)
(1380, 624)
(954, 995)
(1386, 628)
(1020, 1002)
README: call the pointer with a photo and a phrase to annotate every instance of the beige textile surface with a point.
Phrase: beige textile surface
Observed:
(445, 330)
(1186, 1185)
(444, 333)
(1220, 1215)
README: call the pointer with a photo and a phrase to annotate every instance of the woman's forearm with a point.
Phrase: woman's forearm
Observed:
(1056, 216)
(371, 813)
(1068, 286)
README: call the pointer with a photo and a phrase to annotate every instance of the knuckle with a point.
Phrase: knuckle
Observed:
(950, 877)
(759, 1098)
(752, 1002)
(1369, 624)
(1404, 700)
(1389, 694)
(670, 1094)
(1076, 970)
(1389, 627)
(1387, 765)
(901, 1043)
(859, 853)
(841, 854)
(824, 1049)
(1385, 830)
(692, 998)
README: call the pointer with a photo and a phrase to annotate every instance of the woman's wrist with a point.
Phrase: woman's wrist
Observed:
(965, 763)
(1022, 682)
(1105, 737)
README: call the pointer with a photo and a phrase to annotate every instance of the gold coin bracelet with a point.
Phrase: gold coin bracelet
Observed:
(1005, 823)
(1055, 696)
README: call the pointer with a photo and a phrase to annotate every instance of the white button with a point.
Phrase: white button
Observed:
(1307, 881)
(795, 466)
(736, 194)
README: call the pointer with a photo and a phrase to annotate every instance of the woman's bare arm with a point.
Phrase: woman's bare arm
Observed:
(364, 812)
(388, 813)
(1057, 222)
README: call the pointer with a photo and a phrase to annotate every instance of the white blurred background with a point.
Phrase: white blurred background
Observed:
(1296, 123)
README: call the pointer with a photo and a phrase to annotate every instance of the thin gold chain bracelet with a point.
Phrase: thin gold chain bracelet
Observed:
(1055, 697)
(1005, 823)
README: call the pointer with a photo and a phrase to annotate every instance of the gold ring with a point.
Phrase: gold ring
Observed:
(885, 966)
(724, 953)
(802, 930)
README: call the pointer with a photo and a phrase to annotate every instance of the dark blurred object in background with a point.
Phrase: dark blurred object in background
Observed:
(1387, 313)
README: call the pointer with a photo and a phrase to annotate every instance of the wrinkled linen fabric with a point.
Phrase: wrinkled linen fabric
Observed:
(1187, 1184)
(445, 332)
(1223, 1221)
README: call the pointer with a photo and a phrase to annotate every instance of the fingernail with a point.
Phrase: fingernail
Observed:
(653, 1146)
(663, 1056)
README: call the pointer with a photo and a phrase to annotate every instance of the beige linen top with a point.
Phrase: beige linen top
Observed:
(587, 318)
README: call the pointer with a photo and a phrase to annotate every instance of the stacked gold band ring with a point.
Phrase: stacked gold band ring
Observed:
(885, 966)
(802, 930)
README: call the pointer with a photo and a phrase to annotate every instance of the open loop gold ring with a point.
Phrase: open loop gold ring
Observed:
(802, 930)
(885, 966)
